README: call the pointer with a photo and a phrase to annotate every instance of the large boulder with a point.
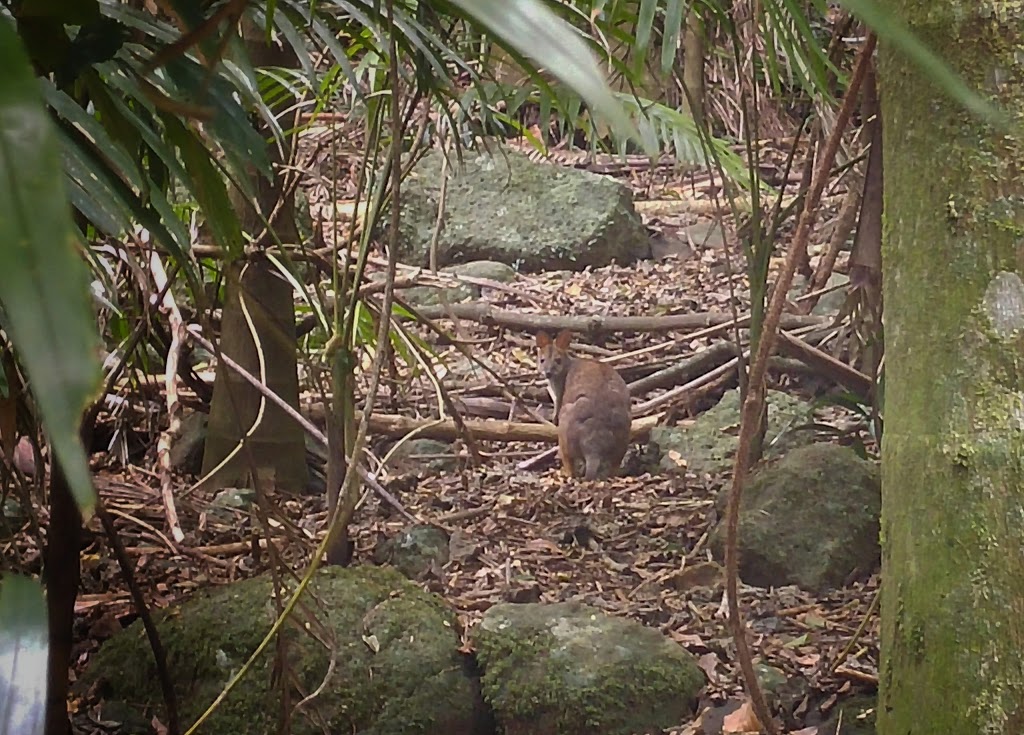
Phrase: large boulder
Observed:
(529, 215)
(810, 519)
(397, 668)
(569, 669)
(708, 445)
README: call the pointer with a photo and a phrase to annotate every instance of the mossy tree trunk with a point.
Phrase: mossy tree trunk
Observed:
(953, 452)
(277, 446)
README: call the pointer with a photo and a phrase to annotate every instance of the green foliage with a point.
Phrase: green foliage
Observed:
(43, 285)
(891, 27)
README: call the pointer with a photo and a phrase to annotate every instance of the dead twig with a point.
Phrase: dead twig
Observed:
(687, 369)
(139, 601)
(167, 438)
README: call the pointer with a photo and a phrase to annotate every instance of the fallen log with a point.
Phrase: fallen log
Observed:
(487, 430)
(491, 316)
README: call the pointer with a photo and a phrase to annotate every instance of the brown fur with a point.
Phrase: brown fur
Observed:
(591, 408)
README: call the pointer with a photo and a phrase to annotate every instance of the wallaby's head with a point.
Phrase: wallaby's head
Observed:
(553, 355)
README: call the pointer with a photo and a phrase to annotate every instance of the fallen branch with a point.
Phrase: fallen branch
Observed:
(597, 324)
(685, 370)
(822, 362)
(504, 431)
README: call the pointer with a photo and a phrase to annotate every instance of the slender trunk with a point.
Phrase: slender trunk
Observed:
(693, 67)
(62, 574)
(277, 447)
(953, 451)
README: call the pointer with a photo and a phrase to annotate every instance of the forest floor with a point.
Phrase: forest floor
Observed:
(634, 546)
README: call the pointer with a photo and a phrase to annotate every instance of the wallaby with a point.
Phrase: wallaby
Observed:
(591, 408)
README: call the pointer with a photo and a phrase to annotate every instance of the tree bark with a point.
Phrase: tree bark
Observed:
(62, 575)
(953, 451)
(278, 445)
(693, 66)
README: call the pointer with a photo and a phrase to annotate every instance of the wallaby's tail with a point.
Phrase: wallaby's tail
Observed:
(593, 467)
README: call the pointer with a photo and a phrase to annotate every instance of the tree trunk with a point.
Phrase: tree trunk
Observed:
(693, 67)
(278, 444)
(953, 452)
(62, 575)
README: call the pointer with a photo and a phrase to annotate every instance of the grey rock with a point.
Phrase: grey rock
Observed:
(433, 295)
(708, 446)
(420, 456)
(706, 235)
(670, 242)
(397, 670)
(490, 269)
(415, 551)
(531, 216)
(232, 501)
(809, 519)
(831, 302)
(187, 452)
(569, 669)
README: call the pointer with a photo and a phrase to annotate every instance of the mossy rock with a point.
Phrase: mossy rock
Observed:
(708, 446)
(809, 519)
(569, 669)
(397, 669)
(415, 551)
(507, 208)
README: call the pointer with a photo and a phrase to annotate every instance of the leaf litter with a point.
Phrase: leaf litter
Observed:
(633, 546)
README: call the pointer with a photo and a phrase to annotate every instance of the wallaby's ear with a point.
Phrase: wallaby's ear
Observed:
(563, 339)
(543, 340)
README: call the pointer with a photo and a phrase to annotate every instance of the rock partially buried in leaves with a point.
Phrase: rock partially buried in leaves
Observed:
(569, 669)
(531, 216)
(708, 446)
(187, 451)
(462, 291)
(415, 551)
(397, 669)
(810, 519)
(422, 457)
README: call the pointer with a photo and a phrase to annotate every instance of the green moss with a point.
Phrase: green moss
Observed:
(952, 460)
(395, 653)
(554, 218)
(610, 676)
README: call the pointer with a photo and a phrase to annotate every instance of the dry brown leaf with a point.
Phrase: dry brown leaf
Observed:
(741, 721)
(709, 665)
